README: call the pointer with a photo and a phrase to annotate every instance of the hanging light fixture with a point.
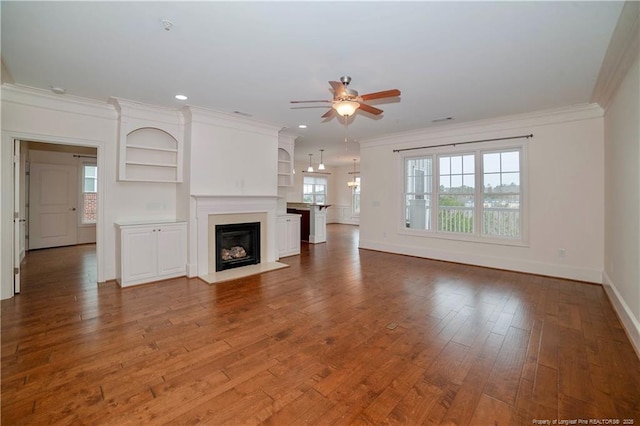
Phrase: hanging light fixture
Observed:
(346, 108)
(353, 183)
(310, 168)
(321, 165)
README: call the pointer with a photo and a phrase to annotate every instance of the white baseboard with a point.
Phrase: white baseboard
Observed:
(630, 323)
(519, 265)
(192, 270)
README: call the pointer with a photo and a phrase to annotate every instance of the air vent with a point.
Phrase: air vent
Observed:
(244, 114)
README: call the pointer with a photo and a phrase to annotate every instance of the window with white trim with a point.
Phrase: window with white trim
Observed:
(314, 190)
(89, 194)
(471, 193)
(355, 201)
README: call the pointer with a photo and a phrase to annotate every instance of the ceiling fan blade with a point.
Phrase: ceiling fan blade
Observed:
(370, 109)
(339, 89)
(379, 95)
(301, 102)
(328, 113)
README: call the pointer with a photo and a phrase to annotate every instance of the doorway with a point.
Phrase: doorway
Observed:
(57, 199)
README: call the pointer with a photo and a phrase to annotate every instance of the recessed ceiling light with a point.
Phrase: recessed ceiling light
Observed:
(58, 90)
(302, 126)
(181, 97)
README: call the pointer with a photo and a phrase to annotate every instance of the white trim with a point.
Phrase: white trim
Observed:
(629, 322)
(621, 53)
(494, 128)
(212, 204)
(209, 117)
(518, 265)
(486, 147)
(6, 288)
(30, 96)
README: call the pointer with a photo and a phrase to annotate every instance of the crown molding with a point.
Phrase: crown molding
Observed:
(40, 98)
(193, 114)
(146, 112)
(490, 126)
(621, 54)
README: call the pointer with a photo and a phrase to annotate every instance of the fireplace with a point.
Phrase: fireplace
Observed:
(237, 244)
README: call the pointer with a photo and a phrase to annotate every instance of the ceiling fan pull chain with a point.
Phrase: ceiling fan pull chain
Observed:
(346, 139)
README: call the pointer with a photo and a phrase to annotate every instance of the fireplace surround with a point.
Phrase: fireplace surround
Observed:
(212, 210)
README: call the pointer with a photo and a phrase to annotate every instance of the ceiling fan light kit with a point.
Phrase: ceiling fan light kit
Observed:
(346, 108)
(346, 101)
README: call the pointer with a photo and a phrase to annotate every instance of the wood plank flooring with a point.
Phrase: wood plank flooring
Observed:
(343, 336)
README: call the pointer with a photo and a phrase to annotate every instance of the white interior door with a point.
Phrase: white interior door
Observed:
(52, 205)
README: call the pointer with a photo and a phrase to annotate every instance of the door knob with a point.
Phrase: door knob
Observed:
(73, 209)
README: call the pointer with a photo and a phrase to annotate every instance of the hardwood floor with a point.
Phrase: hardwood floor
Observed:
(343, 336)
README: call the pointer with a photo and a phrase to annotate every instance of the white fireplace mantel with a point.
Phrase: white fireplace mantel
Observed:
(207, 205)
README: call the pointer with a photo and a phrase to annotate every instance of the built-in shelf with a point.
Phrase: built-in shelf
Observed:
(152, 148)
(145, 163)
(285, 161)
(150, 143)
(151, 156)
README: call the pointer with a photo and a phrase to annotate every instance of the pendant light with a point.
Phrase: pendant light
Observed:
(321, 165)
(310, 168)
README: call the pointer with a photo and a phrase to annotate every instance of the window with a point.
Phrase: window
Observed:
(89, 193)
(456, 193)
(314, 190)
(355, 202)
(501, 194)
(418, 177)
(475, 193)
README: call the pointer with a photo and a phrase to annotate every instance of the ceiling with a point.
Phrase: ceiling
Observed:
(465, 60)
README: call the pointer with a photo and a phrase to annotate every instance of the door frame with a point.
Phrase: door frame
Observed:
(7, 243)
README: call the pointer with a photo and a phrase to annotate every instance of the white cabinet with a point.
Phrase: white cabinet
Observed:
(285, 160)
(288, 234)
(150, 251)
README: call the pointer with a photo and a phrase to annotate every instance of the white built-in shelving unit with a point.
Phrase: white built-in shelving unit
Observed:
(285, 160)
(150, 143)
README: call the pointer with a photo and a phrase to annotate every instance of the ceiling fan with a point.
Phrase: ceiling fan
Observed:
(346, 101)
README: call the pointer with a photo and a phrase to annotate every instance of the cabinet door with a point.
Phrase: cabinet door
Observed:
(281, 236)
(293, 236)
(139, 255)
(172, 249)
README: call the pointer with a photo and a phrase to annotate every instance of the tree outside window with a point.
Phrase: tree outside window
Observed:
(477, 193)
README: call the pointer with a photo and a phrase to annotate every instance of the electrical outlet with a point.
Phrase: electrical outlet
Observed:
(562, 252)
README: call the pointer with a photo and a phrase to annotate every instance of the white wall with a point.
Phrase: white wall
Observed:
(565, 194)
(36, 115)
(622, 202)
(341, 210)
(231, 155)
